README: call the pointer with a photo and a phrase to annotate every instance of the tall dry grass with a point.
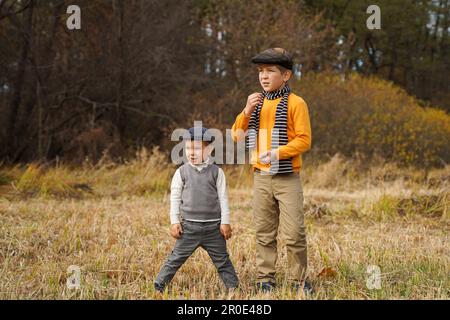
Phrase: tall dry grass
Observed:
(112, 221)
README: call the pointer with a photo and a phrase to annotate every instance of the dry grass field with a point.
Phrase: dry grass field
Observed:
(112, 221)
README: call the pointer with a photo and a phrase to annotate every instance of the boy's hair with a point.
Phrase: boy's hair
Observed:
(281, 68)
(204, 143)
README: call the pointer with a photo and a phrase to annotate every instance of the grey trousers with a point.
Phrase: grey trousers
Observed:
(199, 234)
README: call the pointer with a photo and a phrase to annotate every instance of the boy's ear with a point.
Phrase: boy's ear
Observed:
(209, 148)
(287, 75)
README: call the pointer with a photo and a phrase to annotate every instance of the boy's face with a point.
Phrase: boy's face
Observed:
(271, 78)
(196, 151)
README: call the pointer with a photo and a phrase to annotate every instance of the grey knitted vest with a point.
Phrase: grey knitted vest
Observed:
(199, 199)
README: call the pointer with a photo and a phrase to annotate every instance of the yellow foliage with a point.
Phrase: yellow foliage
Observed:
(370, 116)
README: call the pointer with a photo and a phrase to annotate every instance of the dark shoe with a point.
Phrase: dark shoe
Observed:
(159, 287)
(265, 286)
(307, 288)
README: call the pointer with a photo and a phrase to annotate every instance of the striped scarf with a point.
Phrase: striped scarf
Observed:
(279, 131)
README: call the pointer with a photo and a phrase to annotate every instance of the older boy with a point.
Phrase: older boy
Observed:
(199, 196)
(279, 132)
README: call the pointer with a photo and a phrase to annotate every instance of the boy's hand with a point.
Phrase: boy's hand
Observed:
(176, 230)
(225, 230)
(268, 156)
(252, 102)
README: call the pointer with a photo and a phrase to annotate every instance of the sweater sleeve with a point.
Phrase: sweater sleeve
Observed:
(223, 197)
(302, 129)
(240, 126)
(175, 197)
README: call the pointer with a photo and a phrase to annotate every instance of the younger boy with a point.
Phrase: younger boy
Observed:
(199, 197)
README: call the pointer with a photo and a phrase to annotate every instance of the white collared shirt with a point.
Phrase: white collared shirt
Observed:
(177, 187)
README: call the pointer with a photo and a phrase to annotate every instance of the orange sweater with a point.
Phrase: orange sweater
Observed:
(298, 131)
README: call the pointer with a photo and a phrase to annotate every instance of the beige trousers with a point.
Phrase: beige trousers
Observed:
(278, 208)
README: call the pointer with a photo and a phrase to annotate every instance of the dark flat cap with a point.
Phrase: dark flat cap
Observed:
(277, 56)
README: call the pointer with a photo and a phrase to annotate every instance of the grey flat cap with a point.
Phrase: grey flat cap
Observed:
(277, 56)
(200, 133)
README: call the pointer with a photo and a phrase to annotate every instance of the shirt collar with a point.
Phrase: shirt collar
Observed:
(202, 165)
